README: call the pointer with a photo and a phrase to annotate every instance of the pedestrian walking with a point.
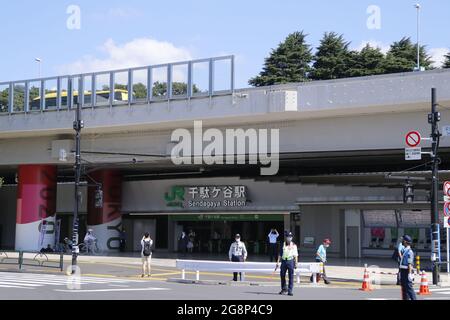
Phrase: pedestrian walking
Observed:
(237, 253)
(146, 254)
(407, 270)
(321, 256)
(273, 244)
(289, 259)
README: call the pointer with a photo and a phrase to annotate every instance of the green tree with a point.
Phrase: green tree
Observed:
(290, 62)
(446, 61)
(333, 58)
(369, 61)
(402, 57)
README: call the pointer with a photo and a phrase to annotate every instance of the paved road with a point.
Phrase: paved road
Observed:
(50, 284)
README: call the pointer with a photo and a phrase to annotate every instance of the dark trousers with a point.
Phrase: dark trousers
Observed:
(273, 251)
(237, 259)
(287, 266)
(408, 292)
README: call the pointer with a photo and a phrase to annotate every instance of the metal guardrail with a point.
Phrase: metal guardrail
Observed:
(7, 258)
(252, 267)
(39, 259)
(129, 86)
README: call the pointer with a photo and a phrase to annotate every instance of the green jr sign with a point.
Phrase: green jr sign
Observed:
(175, 197)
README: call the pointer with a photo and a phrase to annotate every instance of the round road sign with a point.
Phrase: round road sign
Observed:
(413, 139)
(446, 209)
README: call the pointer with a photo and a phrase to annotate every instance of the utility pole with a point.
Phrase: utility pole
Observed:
(77, 126)
(433, 118)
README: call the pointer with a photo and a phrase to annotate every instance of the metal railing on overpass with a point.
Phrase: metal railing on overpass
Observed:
(181, 80)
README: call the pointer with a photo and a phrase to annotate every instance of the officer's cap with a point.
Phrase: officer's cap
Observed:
(237, 235)
(407, 238)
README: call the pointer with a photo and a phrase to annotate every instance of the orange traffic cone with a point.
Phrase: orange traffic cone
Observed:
(424, 289)
(366, 281)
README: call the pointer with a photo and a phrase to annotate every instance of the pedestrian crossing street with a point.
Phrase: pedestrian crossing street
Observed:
(32, 281)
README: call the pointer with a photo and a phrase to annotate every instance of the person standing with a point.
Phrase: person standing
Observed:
(398, 254)
(289, 259)
(237, 253)
(146, 254)
(407, 270)
(183, 242)
(191, 242)
(321, 256)
(273, 244)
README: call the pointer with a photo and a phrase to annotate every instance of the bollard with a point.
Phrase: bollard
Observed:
(242, 276)
(314, 278)
(183, 274)
(298, 277)
(197, 275)
(418, 264)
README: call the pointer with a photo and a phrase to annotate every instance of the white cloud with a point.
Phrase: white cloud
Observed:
(437, 55)
(374, 43)
(136, 53)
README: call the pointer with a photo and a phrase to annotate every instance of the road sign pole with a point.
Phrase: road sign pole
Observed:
(448, 260)
(433, 119)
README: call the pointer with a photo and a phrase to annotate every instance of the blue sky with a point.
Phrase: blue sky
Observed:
(116, 34)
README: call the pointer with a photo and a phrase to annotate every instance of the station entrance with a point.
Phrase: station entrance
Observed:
(214, 233)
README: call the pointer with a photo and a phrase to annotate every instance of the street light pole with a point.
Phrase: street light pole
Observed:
(77, 126)
(433, 119)
(39, 61)
(417, 6)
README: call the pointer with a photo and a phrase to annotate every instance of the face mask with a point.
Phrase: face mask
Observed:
(238, 240)
(288, 240)
(327, 245)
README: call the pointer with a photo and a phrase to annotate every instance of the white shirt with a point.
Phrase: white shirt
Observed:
(238, 249)
(273, 237)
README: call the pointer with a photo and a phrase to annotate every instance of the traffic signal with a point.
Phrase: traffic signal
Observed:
(408, 193)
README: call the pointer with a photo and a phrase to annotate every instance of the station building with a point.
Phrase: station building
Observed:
(341, 169)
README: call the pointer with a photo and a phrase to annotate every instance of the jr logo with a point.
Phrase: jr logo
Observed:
(175, 198)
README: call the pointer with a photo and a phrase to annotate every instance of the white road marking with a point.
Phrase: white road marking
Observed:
(112, 290)
(27, 280)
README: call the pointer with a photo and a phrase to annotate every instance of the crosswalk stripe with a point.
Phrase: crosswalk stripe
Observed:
(22, 280)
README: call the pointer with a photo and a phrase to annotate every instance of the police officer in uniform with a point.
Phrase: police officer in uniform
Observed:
(406, 270)
(237, 253)
(289, 258)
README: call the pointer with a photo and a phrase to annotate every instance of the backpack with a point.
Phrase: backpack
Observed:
(147, 248)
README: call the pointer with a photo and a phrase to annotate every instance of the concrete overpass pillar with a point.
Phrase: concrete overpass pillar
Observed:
(36, 206)
(106, 222)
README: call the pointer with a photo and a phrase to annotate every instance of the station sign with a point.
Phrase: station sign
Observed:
(413, 154)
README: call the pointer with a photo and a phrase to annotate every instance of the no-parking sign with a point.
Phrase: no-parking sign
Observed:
(447, 188)
(413, 139)
(446, 222)
(447, 209)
